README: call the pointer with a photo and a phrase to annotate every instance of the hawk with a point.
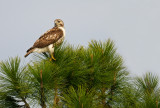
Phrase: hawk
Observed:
(48, 40)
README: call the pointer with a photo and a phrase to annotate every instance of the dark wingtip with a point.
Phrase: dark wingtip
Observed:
(25, 55)
(29, 51)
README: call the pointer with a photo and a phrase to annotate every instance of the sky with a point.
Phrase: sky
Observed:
(134, 26)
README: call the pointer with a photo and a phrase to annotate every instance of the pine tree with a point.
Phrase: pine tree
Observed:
(80, 77)
(150, 92)
(13, 84)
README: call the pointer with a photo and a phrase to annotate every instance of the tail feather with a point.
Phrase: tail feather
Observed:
(29, 51)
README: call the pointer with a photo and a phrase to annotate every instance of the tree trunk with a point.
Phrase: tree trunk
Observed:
(26, 104)
(113, 86)
(56, 99)
(103, 97)
(43, 105)
(156, 103)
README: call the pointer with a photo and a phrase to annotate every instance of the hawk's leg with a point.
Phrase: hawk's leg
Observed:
(52, 57)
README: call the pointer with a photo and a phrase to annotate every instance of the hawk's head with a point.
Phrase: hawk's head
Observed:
(59, 23)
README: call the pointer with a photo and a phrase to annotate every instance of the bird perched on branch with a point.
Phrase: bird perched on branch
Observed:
(48, 40)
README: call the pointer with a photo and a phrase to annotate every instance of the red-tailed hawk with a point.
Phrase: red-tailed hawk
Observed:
(48, 40)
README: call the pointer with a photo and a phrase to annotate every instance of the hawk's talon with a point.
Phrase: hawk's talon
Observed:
(52, 58)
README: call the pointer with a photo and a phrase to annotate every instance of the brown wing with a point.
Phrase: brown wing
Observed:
(50, 37)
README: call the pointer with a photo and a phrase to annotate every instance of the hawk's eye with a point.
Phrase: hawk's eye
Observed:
(58, 21)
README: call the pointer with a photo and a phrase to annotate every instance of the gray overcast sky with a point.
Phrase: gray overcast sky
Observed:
(132, 24)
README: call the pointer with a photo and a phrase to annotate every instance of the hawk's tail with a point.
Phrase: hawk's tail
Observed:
(29, 51)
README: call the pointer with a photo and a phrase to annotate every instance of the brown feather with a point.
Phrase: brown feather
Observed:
(54, 35)
(50, 37)
(29, 51)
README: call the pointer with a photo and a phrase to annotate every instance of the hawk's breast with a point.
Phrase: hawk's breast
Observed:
(63, 30)
(62, 38)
